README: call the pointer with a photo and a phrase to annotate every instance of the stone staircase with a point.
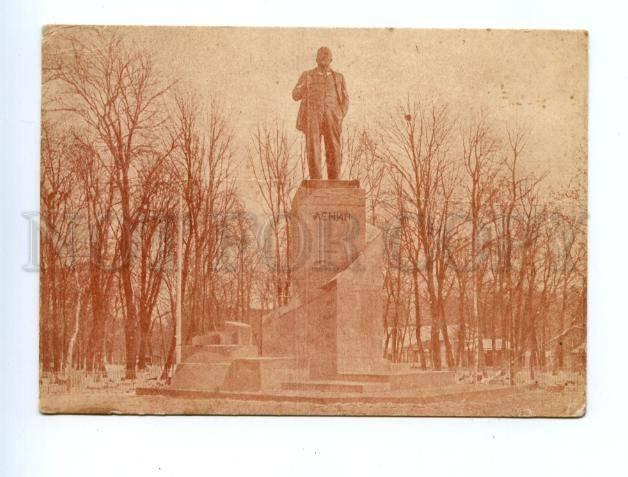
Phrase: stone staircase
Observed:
(226, 361)
(205, 362)
(396, 378)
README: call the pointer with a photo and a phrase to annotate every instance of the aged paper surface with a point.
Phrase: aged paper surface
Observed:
(313, 221)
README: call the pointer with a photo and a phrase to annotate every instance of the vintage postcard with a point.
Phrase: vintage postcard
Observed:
(295, 221)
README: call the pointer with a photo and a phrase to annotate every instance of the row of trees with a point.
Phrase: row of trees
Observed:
(481, 243)
(123, 157)
(130, 164)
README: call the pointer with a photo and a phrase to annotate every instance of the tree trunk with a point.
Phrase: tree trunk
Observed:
(417, 314)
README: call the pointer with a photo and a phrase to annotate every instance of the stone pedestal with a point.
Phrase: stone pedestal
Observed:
(329, 337)
(327, 232)
(335, 323)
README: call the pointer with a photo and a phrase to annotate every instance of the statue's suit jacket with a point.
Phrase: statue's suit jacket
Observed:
(300, 92)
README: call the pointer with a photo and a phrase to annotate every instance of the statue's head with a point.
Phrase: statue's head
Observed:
(323, 57)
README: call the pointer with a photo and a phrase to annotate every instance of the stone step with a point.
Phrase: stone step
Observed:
(366, 378)
(216, 353)
(202, 376)
(335, 386)
(405, 378)
(263, 373)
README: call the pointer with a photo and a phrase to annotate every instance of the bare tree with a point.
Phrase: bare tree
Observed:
(155, 242)
(272, 161)
(479, 149)
(116, 93)
(58, 248)
(98, 197)
(202, 177)
(416, 143)
(362, 161)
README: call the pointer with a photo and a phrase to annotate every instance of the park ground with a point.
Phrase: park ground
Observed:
(465, 400)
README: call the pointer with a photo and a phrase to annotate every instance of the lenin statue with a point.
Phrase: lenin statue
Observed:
(324, 104)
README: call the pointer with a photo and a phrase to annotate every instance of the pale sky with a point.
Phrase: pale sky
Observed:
(537, 79)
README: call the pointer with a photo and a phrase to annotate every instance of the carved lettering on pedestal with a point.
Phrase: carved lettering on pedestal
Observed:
(332, 216)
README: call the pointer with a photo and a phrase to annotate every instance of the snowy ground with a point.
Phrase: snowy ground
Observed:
(525, 403)
(562, 395)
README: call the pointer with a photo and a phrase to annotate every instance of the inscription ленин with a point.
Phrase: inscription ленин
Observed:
(337, 216)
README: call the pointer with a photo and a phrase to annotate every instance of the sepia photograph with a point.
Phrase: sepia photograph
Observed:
(313, 221)
(329, 238)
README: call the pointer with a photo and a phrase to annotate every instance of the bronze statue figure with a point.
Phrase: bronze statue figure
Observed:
(324, 104)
